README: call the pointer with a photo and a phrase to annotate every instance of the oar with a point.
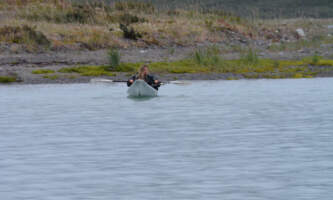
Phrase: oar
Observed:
(102, 80)
(180, 82)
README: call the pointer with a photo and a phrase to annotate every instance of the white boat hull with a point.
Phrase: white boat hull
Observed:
(141, 89)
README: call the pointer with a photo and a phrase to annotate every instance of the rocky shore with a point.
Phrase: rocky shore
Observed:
(22, 65)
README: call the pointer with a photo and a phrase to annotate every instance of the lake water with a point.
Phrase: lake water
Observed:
(260, 139)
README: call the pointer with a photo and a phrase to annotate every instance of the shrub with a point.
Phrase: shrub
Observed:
(130, 33)
(96, 40)
(130, 19)
(276, 64)
(251, 57)
(199, 57)
(80, 14)
(7, 79)
(43, 71)
(83, 14)
(209, 25)
(315, 59)
(208, 56)
(114, 58)
(23, 35)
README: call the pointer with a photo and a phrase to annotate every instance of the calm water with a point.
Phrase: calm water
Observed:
(265, 139)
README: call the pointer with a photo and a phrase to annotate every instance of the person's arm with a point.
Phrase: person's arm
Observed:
(155, 83)
(130, 81)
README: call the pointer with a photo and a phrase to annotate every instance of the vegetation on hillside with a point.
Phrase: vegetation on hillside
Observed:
(38, 25)
(257, 8)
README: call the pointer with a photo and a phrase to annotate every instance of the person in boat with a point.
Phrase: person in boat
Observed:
(143, 74)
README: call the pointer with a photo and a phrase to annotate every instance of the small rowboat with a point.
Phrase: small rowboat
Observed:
(141, 89)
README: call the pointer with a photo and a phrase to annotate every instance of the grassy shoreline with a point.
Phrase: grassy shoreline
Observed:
(247, 67)
(207, 67)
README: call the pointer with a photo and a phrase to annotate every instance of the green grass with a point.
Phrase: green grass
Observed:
(51, 77)
(324, 62)
(251, 67)
(7, 79)
(43, 71)
(250, 57)
(88, 71)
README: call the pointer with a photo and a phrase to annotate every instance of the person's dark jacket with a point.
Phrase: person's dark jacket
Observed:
(150, 79)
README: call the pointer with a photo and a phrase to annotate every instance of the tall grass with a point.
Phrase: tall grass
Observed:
(208, 56)
(250, 57)
(114, 58)
(315, 59)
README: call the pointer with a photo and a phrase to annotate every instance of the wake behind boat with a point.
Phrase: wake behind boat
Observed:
(141, 89)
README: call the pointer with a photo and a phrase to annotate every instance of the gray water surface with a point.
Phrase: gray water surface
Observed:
(264, 139)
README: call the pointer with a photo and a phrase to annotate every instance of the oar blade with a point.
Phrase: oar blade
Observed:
(101, 80)
(180, 82)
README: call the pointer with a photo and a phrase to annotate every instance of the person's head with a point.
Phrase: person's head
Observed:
(143, 71)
